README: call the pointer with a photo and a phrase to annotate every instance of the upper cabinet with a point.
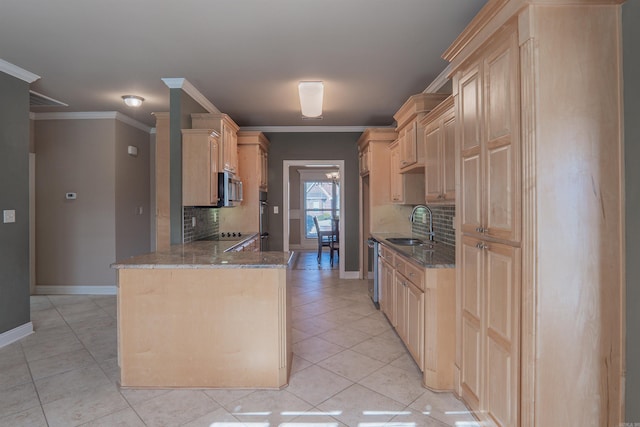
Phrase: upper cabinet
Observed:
(410, 133)
(440, 147)
(489, 143)
(253, 149)
(406, 188)
(199, 167)
(228, 130)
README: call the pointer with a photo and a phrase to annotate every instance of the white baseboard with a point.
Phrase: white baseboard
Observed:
(16, 334)
(75, 290)
(350, 275)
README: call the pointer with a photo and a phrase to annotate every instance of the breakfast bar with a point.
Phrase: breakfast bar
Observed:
(196, 316)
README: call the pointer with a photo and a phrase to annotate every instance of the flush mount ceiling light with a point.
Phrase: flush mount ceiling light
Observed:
(311, 99)
(132, 100)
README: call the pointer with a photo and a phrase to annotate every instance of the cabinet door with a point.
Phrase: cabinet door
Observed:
(448, 162)
(408, 143)
(470, 120)
(471, 301)
(415, 323)
(502, 135)
(399, 320)
(502, 297)
(385, 292)
(432, 161)
(199, 170)
(229, 149)
(396, 178)
(213, 169)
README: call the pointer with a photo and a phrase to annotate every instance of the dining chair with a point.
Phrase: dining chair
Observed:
(335, 239)
(324, 239)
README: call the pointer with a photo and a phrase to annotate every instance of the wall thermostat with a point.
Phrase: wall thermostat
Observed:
(70, 196)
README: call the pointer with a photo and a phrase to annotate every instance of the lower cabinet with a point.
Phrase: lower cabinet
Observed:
(419, 303)
(490, 295)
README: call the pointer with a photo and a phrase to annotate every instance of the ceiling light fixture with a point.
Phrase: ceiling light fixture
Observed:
(132, 100)
(311, 98)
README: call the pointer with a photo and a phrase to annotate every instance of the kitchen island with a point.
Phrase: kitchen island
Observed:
(196, 316)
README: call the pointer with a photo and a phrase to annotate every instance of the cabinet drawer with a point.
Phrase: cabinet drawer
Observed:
(412, 272)
(386, 254)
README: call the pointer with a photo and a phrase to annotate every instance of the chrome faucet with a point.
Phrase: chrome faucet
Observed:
(413, 213)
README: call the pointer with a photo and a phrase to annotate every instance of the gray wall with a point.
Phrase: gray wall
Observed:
(14, 194)
(132, 192)
(631, 41)
(75, 239)
(316, 146)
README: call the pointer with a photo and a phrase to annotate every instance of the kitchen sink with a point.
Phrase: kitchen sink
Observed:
(407, 241)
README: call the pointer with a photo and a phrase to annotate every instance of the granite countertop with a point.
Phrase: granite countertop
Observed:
(206, 254)
(441, 256)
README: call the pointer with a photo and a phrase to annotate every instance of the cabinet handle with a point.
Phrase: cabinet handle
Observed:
(411, 274)
(481, 245)
(481, 230)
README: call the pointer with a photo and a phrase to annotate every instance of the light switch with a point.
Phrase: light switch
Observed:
(9, 216)
(275, 209)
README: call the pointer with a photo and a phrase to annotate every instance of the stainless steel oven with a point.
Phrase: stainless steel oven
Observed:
(374, 285)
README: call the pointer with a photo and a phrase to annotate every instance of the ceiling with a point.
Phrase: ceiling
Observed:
(245, 56)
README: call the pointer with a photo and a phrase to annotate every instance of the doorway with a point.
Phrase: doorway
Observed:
(332, 204)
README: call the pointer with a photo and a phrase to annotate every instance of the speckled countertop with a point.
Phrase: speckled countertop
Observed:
(206, 254)
(440, 256)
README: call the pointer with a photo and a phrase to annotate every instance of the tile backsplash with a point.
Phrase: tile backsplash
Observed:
(207, 223)
(442, 224)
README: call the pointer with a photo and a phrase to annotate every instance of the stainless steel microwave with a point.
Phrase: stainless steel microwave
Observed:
(229, 190)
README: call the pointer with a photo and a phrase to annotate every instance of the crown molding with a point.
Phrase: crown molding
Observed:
(189, 89)
(132, 122)
(17, 72)
(439, 81)
(303, 129)
(91, 115)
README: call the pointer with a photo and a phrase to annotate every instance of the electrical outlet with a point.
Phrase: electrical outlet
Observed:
(193, 221)
(275, 209)
(9, 216)
(424, 218)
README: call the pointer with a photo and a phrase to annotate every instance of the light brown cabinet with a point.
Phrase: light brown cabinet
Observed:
(489, 136)
(199, 167)
(363, 157)
(490, 295)
(228, 145)
(440, 145)
(490, 231)
(541, 213)
(387, 287)
(253, 147)
(406, 188)
(410, 157)
(420, 304)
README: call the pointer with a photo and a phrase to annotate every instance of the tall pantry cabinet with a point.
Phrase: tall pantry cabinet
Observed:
(540, 253)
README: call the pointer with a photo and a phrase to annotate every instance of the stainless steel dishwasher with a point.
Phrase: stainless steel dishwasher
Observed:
(374, 285)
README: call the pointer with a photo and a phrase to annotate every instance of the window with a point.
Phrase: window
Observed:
(321, 200)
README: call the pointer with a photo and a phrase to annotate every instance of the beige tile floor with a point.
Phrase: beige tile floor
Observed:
(349, 369)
